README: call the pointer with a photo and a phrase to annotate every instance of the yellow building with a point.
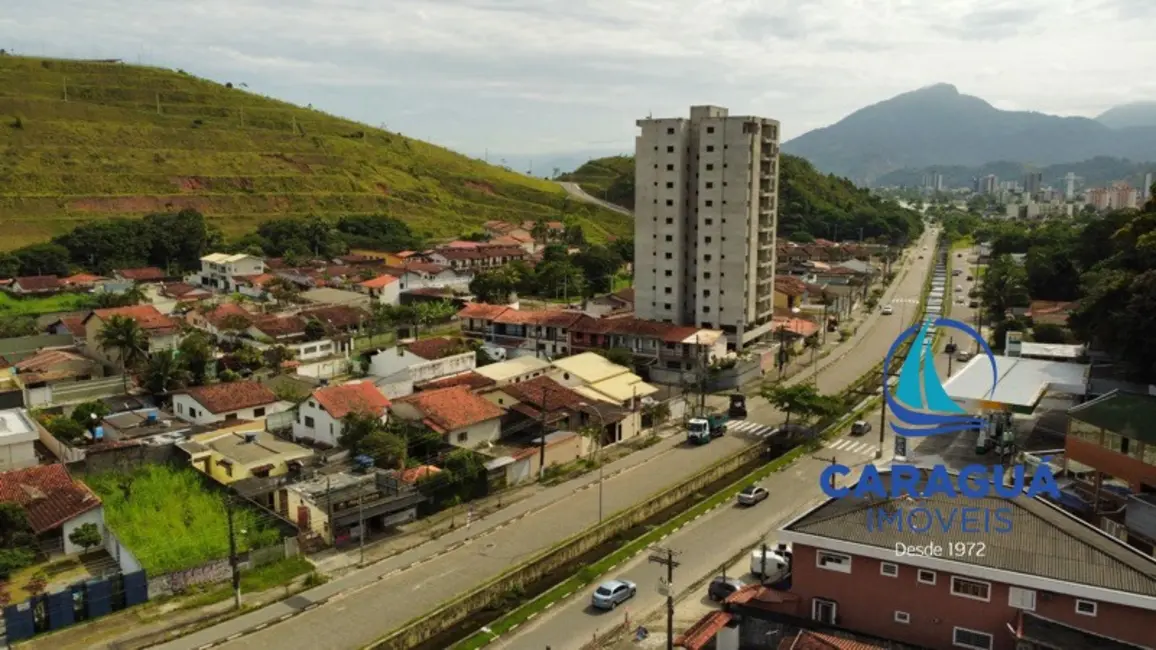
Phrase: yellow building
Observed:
(390, 259)
(244, 450)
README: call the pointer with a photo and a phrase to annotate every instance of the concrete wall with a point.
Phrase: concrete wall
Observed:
(415, 632)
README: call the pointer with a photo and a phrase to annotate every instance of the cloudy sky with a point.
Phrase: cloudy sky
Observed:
(536, 76)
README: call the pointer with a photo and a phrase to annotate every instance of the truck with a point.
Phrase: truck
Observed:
(701, 430)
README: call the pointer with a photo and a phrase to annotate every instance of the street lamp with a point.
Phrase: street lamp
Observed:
(601, 432)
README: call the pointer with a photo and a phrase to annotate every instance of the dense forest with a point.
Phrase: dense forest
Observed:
(812, 205)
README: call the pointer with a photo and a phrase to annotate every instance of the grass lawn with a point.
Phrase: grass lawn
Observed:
(171, 520)
(132, 140)
(12, 306)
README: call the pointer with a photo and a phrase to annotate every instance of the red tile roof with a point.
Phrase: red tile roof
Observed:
(146, 316)
(808, 640)
(143, 274)
(625, 295)
(35, 283)
(180, 289)
(790, 286)
(545, 317)
(74, 325)
(47, 494)
(278, 326)
(798, 326)
(458, 243)
(482, 311)
(702, 632)
(341, 317)
(233, 396)
(255, 279)
(415, 474)
(543, 392)
(82, 279)
(435, 348)
(379, 282)
(451, 409)
(630, 326)
(471, 380)
(226, 309)
(481, 252)
(359, 397)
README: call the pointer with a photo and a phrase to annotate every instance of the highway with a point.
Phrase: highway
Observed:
(709, 543)
(386, 595)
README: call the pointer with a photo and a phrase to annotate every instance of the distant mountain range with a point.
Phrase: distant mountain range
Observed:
(1095, 172)
(939, 126)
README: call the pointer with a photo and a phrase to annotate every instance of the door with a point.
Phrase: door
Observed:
(823, 611)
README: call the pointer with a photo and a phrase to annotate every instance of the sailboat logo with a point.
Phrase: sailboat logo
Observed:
(920, 405)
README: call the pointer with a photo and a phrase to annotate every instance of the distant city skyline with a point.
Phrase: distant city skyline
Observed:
(547, 76)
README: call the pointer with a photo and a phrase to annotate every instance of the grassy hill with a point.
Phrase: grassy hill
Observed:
(85, 140)
(811, 204)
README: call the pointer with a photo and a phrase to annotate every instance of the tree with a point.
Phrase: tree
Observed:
(125, 337)
(88, 414)
(14, 326)
(196, 352)
(803, 400)
(658, 413)
(386, 449)
(42, 259)
(1049, 333)
(1005, 285)
(278, 355)
(540, 232)
(599, 264)
(85, 536)
(234, 324)
(17, 541)
(166, 371)
(496, 286)
(37, 584)
(355, 428)
(620, 356)
(314, 330)
(66, 430)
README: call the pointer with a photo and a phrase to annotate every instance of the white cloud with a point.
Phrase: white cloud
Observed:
(533, 75)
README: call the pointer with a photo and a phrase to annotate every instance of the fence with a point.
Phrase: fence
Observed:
(81, 391)
(81, 601)
(219, 570)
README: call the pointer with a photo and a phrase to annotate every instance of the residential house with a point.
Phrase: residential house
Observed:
(520, 333)
(238, 400)
(479, 258)
(424, 360)
(71, 325)
(792, 333)
(339, 320)
(513, 371)
(1110, 448)
(847, 574)
(184, 292)
(319, 417)
(389, 259)
(50, 369)
(54, 504)
(384, 289)
(462, 417)
(425, 275)
(254, 285)
(18, 435)
(498, 228)
(543, 405)
(666, 351)
(594, 376)
(163, 332)
(790, 292)
(243, 452)
(472, 380)
(36, 285)
(289, 331)
(227, 318)
(330, 508)
(82, 281)
(336, 297)
(143, 275)
(860, 267)
(220, 270)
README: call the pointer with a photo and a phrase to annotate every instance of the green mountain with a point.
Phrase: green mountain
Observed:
(940, 126)
(1129, 115)
(811, 204)
(1097, 171)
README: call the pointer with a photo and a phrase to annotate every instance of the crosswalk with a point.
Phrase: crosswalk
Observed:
(756, 430)
(909, 301)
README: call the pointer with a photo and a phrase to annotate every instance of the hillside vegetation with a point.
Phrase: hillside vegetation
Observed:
(87, 140)
(811, 204)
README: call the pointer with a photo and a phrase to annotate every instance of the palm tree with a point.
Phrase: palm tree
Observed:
(128, 339)
(165, 372)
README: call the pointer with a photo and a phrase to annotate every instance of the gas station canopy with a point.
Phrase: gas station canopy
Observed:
(1021, 383)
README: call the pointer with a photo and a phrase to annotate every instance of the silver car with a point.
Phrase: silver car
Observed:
(752, 494)
(612, 593)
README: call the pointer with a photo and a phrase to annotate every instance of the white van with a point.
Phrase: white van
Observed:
(774, 566)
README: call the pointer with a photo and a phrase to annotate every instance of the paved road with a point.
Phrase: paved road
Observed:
(575, 190)
(370, 603)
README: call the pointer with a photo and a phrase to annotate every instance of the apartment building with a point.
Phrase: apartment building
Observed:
(705, 216)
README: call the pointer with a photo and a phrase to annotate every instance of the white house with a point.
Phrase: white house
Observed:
(423, 275)
(319, 417)
(385, 289)
(424, 359)
(163, 332)
(218, 270)
(18, 435)
(289, 331)
(53, 502)
(463, 418)
(238, 400)
(513, 371)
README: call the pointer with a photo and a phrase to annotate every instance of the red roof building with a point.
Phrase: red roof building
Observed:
(147, 316)
(238, 400)
(471, 380)
(142, 274)
(36, 284)
(464, 418)
(48, 495)
(356, 397)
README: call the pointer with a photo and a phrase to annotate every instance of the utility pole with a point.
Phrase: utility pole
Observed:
(665, 557)
(361, 525)
(542, 438)
(233, 554)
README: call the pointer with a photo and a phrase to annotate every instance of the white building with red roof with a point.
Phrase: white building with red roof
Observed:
(385, 289)
(319, 417)
(54, 503)
(163, 332)
(238, 400)
(461, 416)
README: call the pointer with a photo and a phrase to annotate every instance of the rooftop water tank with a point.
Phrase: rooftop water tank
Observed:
(98, 433)
(152, 418)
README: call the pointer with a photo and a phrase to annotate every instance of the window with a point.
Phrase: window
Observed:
(709, 185)
(669, 220)
(670, 149)
(308, 421)
(824, 611)
(974, 589)
(231, 416)
(710, 168)
(833, 561)
(1021, 598)
(667, 290)
(706, 309)
(670, 130)
(888, 569)
(668, 273)
(709, 203)
(1086, 607)
(463, 436)
(925, 576)
(257, 413)
(710, 147)
(192, 412)
(706, 258)
(964, 638)
(180, 408)
(669, 256)
(666, 305)
(708, 222)
(670, 168)
(670, 202)
(669, 238)
(670, 186)
(710, 129)
(902, 617)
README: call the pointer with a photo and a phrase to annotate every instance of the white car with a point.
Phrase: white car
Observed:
(888, 310)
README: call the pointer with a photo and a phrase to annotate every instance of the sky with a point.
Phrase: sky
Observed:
(537, 76)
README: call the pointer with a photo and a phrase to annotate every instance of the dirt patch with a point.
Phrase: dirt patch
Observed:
(302, 167)
(383, 188)
(484, 188)
(190, 183)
